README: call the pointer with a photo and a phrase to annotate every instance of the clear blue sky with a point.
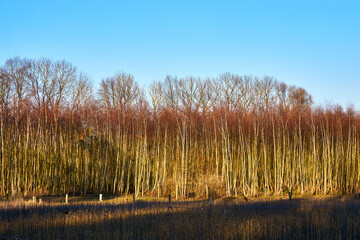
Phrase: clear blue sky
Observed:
(312, 44)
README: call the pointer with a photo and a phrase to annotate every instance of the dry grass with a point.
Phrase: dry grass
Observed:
(227, 218)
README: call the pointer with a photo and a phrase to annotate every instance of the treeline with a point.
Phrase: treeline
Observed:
(230, 135)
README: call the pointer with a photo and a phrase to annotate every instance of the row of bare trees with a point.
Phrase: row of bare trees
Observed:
(228, 91)
(230, 135)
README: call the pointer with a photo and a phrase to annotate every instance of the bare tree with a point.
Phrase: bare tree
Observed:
(236, 92)
(228, 90)
(170, 93)
(5, 91)
(156, 94)
(246, 93)
(265, 93)
(81, 92)
(188, 92)
(105, 93)
(205, 96)
(282, 94)
(299, 97)
(64, 77)
(17, 71)
(120, 91)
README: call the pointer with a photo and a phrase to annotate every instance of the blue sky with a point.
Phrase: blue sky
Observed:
(312, 44)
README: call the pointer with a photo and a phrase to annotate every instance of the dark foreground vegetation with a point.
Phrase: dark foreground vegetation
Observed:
(228, 136)
(224, 219)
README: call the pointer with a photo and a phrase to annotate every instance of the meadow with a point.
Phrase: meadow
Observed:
(225, 218)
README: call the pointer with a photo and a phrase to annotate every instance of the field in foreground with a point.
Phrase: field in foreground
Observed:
(229, 218)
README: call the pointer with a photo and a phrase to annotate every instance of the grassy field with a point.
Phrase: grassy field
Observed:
(226, 218)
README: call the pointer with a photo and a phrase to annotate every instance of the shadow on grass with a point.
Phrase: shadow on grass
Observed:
(296, 219)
